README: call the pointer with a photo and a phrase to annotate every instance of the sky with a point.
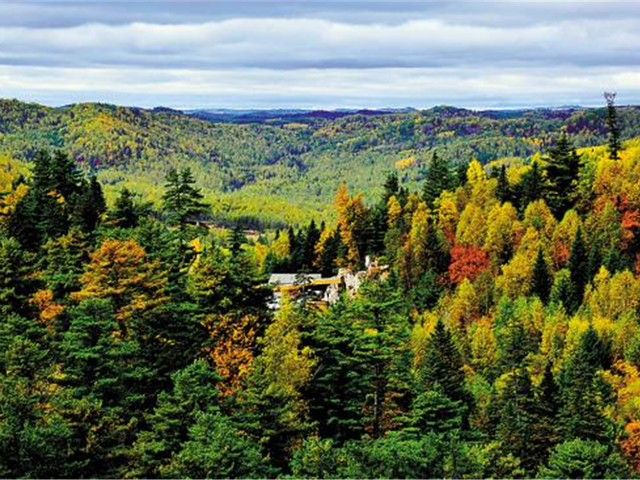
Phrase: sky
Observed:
(305, 54)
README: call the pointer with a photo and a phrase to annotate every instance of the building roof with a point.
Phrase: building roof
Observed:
(292, 278)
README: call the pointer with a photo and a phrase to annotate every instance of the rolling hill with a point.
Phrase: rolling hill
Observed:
(284, 166)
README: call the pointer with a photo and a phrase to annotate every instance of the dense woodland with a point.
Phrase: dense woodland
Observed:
(283, 170)
(503, 340)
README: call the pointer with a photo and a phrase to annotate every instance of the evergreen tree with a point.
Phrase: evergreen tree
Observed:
(194, 391)
(541, 283)
(102, 370)
(531, 186)
(181, 200)
(127, 213)
(517, 418)
(578, 265)
(562, 169)
(312, 237)
(438, 178)
(613, 126)
(584, 392)
(544, 431)
(442, 365)
(503, 190)
(585, 459)
(216, 448)
(90, 206)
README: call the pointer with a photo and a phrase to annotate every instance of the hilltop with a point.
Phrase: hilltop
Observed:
(285, 165)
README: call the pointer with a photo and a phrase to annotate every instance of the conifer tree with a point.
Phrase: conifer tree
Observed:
(531, 186)
(584, 393)
(578, 265)
(442, 365)
(562, 169)
(541, 283)
(503, 190)
(613, 126)
(517, 418)
(438, 178)
(181, 200)
(194, 390)
(127, 212)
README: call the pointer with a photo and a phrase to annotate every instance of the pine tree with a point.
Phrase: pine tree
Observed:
(578, 265)
(181, 200)
(613, 126)
(127, 213)
(503, 190)
(544, 431)
(562, 169)
(541, 283)
(442, 365)
(584, 392)
(102, 370)
(194, 390)
(517, 418)
(89, 206)
(531, 186)
(311, 239)
(438, 178)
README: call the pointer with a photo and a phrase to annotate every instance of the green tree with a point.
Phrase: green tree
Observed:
(584, 459)
(562, 169)
(541, 282)
(612, 126)
(584, 393)
(437, 179)
(181, 200)
(194, 391)
(578, 265)
(216, 448)
(127, 212)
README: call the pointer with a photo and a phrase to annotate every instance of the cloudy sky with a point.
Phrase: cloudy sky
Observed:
(265, 54)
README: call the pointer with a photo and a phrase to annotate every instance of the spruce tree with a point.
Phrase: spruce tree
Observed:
(517, 417)
(442, 365)
(544, 431)
(578, 265)
(503, 190)
(613, 126)
(562, 169)
(541, 283)
(531, 186)
(182, 200)
(438, 178)
(584, 393)
(311, 239)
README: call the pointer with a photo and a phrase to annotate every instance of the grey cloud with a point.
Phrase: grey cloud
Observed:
(329, 54)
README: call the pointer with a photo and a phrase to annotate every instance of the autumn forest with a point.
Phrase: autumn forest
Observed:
(463, 297)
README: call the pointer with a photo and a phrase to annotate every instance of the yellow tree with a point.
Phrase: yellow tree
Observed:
(483, 189)
(516, 275)
(472, 227)
(413, 254)
(538, 216)
(448, 215)
(502, 227)
(233, 341)
(120, 270)
(562, 238)
(613, 296)
(351, 217)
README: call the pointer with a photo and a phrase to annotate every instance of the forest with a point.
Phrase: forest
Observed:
(500, 340)
(282, 170)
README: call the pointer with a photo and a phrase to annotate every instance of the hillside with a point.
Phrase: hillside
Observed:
(285, 166)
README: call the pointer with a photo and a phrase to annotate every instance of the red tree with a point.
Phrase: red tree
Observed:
(467, 262)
